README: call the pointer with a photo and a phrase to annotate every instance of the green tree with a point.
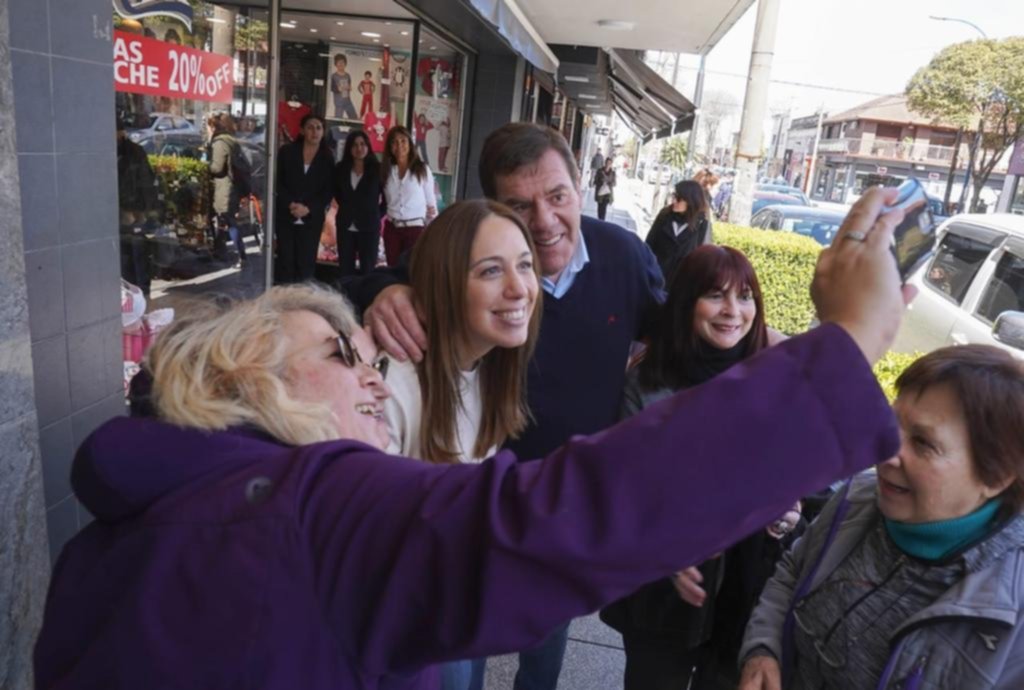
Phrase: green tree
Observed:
(673, 153)
(978, 85)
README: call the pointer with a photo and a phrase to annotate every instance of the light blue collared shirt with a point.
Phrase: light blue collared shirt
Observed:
(580, 258)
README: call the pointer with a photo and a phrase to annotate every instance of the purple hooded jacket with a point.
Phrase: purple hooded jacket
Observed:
(229, 560)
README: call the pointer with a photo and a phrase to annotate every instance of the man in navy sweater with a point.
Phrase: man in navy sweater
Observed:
(602, 285)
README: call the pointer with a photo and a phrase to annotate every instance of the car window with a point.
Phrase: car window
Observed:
(822, 231)
(760, 219)
(180, 123)
(955, 264)
(1005, 291)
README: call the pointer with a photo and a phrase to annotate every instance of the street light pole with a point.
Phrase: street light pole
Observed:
(960, 21)
(977, 135)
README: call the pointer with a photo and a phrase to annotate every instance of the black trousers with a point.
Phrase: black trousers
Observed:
(661, 664)
(364, 244)
(296, 251)
(602, 205)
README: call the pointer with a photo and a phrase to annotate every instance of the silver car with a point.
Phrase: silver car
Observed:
(972, 289)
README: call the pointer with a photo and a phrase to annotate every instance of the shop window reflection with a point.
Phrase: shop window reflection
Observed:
(191, 195)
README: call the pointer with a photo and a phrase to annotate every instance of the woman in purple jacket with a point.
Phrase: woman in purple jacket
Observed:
(254, 535)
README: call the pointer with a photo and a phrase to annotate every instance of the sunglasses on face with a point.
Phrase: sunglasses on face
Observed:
(350, 357)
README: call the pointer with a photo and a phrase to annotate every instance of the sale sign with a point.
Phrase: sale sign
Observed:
(158, 68)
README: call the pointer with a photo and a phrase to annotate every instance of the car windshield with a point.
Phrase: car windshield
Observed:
(822, 231)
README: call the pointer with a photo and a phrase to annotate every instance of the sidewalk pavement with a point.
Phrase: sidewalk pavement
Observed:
(629, 210)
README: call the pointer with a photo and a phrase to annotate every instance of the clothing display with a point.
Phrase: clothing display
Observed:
(289, 116)
(346, 540)
(376, 125)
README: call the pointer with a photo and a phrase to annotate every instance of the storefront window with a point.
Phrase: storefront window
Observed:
(191, 108)
(437, 125)
(355, 74)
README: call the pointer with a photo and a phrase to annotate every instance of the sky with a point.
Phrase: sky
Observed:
(868, 48)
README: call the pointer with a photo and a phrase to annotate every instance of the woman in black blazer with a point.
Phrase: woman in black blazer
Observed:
(357, 189)
(305, 182)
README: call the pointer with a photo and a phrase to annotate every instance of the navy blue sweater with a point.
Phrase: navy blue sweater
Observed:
(578, 371)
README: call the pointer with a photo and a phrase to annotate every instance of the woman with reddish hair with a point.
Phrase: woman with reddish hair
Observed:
(713, 318)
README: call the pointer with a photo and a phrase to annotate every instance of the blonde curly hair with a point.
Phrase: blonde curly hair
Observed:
(223, 365)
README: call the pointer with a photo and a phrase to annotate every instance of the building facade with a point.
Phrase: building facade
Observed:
(884, 142)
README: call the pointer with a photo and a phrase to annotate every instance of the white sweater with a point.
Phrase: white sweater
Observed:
(405, 411)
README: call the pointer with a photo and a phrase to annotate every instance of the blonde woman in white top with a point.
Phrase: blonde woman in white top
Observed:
(475, 277)
(408, 192)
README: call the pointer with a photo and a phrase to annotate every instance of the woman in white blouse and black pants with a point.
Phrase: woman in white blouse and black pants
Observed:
(408, 193)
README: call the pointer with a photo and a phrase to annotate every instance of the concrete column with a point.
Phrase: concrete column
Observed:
(755, 105)
(24, 550)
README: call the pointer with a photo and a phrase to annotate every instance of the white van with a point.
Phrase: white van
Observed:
(972, 289)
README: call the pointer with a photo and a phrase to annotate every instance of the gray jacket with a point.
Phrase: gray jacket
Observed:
(225, 196)
(969, 639)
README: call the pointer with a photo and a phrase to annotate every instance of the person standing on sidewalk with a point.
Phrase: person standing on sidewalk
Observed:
(408, 192)
(680, 227)
(602, 286)
(604, 186)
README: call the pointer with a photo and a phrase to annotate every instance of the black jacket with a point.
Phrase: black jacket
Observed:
(313, 188)
(669, 248)
(361, 205)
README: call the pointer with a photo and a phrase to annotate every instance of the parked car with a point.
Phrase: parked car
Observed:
(819, 224)
(785, 189)
(762, 199)
(156, 130)
(972, 289)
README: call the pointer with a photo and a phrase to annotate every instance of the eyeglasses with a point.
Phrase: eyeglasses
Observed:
(350, 357)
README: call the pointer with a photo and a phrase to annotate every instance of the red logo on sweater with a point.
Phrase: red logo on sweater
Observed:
(611, 319)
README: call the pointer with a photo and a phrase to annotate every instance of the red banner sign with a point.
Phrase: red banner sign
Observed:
(146, 65)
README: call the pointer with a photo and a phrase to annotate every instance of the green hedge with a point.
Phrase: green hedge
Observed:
(785, 265)
(784, 262)
(889, 368)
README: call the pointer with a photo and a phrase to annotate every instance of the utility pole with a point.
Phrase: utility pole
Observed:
(755, 103)
(698, 96)
(809, 182)
(952, 170)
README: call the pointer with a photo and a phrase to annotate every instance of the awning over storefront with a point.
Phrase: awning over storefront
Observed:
(514, 27)
(645, 100)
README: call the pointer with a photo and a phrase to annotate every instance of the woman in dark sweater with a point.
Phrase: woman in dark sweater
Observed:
(305, 182)
(712, 319)
(681, 226)
(357, 189)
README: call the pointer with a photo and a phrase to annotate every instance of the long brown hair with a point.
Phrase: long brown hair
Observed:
(416, 166)
(439, 274)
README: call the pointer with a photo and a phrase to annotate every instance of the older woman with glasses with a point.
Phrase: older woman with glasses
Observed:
(913, 577)
(254, 534)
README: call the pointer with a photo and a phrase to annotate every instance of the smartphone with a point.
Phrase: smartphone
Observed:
(914, 238)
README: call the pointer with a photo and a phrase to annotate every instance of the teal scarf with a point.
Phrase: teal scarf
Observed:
(933, 541)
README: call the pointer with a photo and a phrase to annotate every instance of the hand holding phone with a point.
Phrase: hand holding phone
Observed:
(914, 239)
